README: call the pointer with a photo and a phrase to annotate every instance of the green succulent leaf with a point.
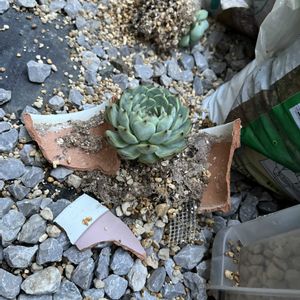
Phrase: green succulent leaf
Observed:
(129, 152)
(150, 124)
(147, 148)
(127, 136)
(143, 130)
(115, 139)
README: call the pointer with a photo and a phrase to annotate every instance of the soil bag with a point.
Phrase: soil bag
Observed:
(265, 95)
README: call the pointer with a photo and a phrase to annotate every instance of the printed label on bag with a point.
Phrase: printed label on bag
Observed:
(288, 180)
(295, 112)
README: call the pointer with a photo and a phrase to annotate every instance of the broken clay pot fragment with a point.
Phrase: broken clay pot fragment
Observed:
(217, 194)
(87, 223)
(50, 130)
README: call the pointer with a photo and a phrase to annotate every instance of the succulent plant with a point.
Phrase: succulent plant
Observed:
(163, 22)
(150, 124)
(197, 29)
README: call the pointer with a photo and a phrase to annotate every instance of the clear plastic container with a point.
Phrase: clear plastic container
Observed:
(264, 254)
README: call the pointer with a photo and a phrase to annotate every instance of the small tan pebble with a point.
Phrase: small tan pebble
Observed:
(164, 253)
(33, 26)
(50, 179)
(47, 214)
(138, 229)
(53, 231)
(54, 68)
(125, 208)
(160, 224)
(69, 270)
(151, 261)
(162, 209)
(74, 181)
(37, 193)
(49, 61)
(158, 179)
(99, 284)
(2, 69)
(229, 254)
(35, 267)
(60, 269)
(87, 220)
(18, 54)
(119, 212)
(43, 237)
(229, 274)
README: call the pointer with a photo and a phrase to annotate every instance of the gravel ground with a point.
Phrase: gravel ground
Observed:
(38, 261)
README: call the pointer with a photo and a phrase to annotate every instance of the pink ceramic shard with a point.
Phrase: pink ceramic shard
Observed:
(87, 223)
(110, 228)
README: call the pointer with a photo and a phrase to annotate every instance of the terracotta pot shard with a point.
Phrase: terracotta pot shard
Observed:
(49, 130)
(217, 194)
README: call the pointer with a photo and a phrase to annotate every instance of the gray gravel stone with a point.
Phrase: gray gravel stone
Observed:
(5, 96)
(49, 251)
(218, 67)
(27, 3)
(159, 69)
(83, 274)
(2, 112)
(32, 176)
(102, 270)
(115, 286)
(80, 23)
(32, 229)
(38, 72)
(209, 75)
(24, 136)
(2, 184)
(5, 205)
(72, 8)
(18, 191)
(19, 256)
(76, 97)
(99, 51)
(27, 157)
(10, 226)
(169, 266)
(165, 80)
(57, 5)
(94, 294)
(75, 256)
(137, 276)
(56, 102)
(189, 256)
(248, 210)
(4, 6)
(121, 80)
(121, 262)
(187, 76)
(60, 173)
(187, 61)
(4, 126)
(9, 284)
(174, 69)
(124, 50)
(144, 72)
(203, 269)
(58, 206)
(42, 282)
(31, 297)
(30, 110)
(196, 284)
(133, 83)
(91, 77)
(200, 61)
(197, 86)
(90, 61)
(64, 241)
(67, 291)
(233, 223)
(28, 207)
(171, 291)
(235, 201)
(156, 280)
(8, 140)
(219, 223)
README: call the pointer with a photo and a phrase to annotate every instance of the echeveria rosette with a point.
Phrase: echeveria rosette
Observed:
(150, 124)
(197, 29)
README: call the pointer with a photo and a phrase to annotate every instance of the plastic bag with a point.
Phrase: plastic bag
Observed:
(266, 96)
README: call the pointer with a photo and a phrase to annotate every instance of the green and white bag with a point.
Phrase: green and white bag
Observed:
(265, 95)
